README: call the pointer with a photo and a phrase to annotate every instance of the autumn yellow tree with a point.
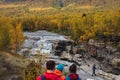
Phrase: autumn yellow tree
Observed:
(16, 38)
(5, 26)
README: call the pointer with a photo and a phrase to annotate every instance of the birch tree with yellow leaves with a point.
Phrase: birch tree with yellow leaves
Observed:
(16, 38)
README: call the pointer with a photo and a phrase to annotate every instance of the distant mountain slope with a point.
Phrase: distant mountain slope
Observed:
(12, 0)
(66, 2)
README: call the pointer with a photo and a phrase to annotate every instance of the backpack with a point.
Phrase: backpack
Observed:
(73, 76)
(43, 77)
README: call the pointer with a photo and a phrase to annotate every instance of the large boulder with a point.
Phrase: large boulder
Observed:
(117, 77)
(116, 63)
(66, 55)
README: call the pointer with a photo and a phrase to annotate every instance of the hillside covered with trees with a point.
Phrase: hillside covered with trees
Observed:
(80, 19)
(81, 22)
(83, 25)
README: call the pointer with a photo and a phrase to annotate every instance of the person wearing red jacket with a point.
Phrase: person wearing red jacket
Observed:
(49, 74)
(73, 75)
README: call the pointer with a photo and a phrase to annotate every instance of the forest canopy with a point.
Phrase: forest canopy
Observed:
(80, 22)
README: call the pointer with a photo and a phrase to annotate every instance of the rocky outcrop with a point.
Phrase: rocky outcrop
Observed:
(108, 56)
(108, 76)
(116, 63)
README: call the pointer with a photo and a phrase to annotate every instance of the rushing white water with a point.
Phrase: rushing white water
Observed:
(41, 41)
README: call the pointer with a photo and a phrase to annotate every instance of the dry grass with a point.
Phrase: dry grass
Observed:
(12, 59)
(41, 9)
(12, 5)
(86, 7)
(79, 7)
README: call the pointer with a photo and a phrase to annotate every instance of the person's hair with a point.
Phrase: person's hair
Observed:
(50, 65)
(73, 68)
